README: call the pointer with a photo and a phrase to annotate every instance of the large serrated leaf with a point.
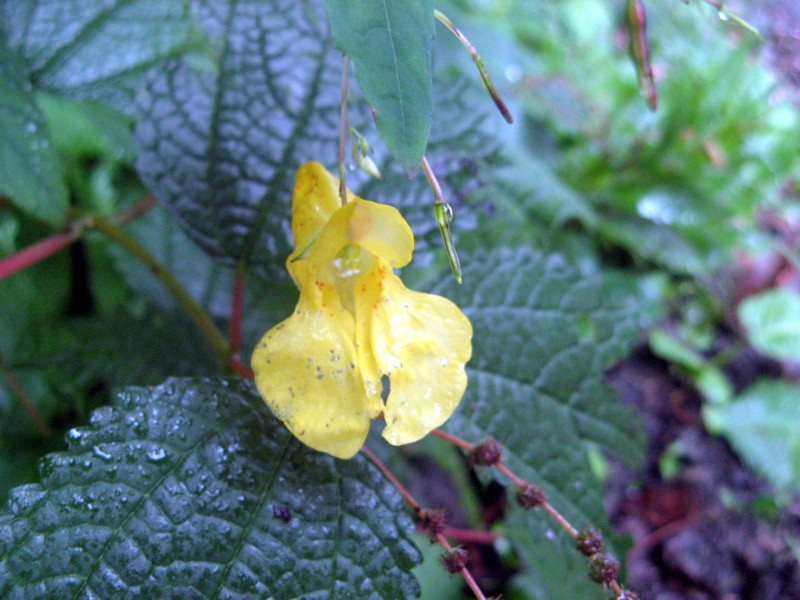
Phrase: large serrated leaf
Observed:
(389, 42)
(220, 142)
(95, 48)
(30, 174)
(193, 490)
(544, 332)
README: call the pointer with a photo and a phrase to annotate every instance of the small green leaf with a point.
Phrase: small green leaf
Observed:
(714, 385)
(556, 571)
(763, 425)
(389, 42)
(30, 172)
(193, 490)
(666, 346)
(772, 321)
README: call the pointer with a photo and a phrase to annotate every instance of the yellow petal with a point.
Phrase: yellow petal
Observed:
(315, 199)
(306, 370)
(378, 228)
(422, 342)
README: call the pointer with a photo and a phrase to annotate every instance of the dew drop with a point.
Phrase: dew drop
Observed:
(156, 454)
(30, 126)
(448, 213)
(100, 453)
(513, 73)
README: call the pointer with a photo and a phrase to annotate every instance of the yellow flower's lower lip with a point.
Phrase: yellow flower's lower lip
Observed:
(320, 371)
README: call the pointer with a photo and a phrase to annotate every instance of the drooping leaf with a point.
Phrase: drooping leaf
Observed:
(193, 490)
(772, 322)
(220, 142)
(763, 425)
(544, 332)
(30, 173)
(95, 48)
(389, 42)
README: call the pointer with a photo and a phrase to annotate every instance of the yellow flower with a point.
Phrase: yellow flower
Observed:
(320, 370)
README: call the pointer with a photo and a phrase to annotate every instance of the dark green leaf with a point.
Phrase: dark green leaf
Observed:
(544, 332)
(95, 48)
(30, 173)
(389, 42)
(220, 143)
(193, 490)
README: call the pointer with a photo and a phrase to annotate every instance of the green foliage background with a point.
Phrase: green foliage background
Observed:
(573, 224)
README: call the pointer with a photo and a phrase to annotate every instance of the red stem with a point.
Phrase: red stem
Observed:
(27, 404)
(418, 509)
(473, 585)
(38, 251)
(240, 368)
(471, 536)
(237, 308)
(393, 480)
(456, 441)
(58, 241)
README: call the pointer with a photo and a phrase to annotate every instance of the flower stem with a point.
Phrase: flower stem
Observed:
(640, 50)
(343, 127)
(486, 79)
(444, 216)
(726, 13)
(196, 313)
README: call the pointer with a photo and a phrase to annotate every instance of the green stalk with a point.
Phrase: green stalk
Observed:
(486, 79)
(196, 313)
(444, 216)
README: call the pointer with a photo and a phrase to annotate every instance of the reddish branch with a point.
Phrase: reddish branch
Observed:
(58, 241)
(237, 309)
(423, 515)
(40, 250)
(19, 393)
(602, 569)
